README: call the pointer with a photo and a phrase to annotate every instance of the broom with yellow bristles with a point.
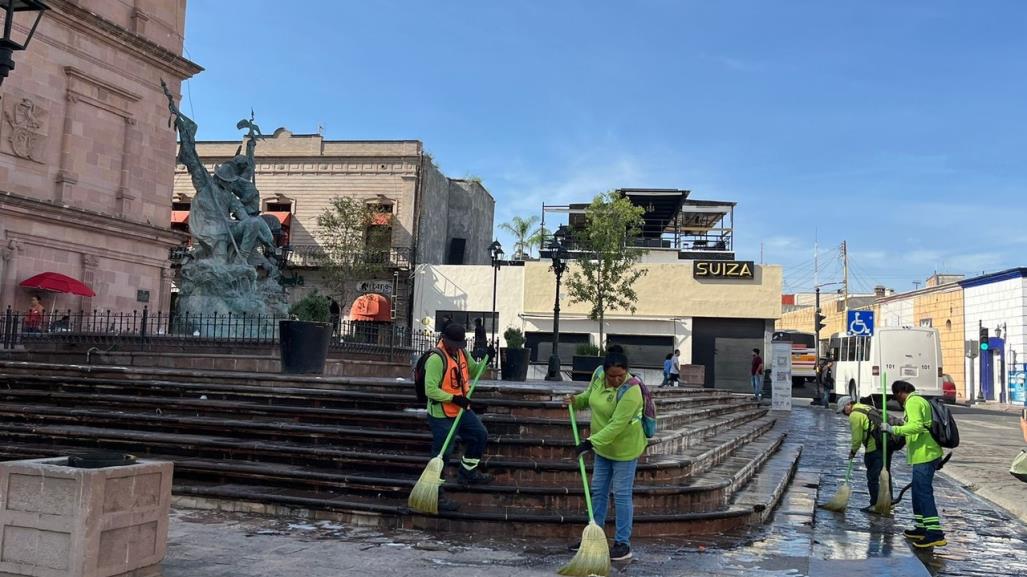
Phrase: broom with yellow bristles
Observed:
(593, 556)
(883, 505)
(425, 495)
(840, 501)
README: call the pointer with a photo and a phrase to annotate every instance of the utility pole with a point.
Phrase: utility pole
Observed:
(845, 276)
(816, 258)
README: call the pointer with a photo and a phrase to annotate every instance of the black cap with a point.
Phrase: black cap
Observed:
(455, 335)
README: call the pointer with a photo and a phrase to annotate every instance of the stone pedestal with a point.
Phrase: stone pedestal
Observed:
(58, 521)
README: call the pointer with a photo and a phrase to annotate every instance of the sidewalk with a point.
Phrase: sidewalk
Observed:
(799, 540)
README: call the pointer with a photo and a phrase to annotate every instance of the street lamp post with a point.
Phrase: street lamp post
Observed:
(559, 256)
(8, 46)
(496, 253)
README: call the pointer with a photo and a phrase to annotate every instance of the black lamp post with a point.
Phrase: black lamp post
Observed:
(496, 253)
(559, 256)
(8, 47)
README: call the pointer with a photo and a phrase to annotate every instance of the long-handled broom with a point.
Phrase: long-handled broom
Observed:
(425, 495)
(593, 556)
(883, 505)
(840, 501)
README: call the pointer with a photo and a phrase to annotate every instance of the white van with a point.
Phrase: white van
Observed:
(900, 354)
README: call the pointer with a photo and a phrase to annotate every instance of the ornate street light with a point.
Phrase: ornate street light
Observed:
(496, 253)
(560, 257)
(8, 46)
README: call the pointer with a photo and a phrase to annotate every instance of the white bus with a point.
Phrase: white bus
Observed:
(906, 354)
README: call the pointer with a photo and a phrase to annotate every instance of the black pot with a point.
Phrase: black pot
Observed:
(514, 363)
(100, 460)
(304, 346)
(582, 367)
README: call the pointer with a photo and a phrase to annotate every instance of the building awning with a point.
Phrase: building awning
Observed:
(283, 217)
(371, 307)
(179, 216)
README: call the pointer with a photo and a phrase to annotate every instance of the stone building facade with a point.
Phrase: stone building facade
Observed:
(86, 155)
(434, 219)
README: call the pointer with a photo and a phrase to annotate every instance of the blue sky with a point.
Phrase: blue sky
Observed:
(897, 126)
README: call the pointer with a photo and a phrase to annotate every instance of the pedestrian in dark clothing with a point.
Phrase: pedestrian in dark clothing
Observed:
(757, 375)
(480, 345)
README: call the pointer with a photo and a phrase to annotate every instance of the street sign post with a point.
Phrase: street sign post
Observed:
(860, 323)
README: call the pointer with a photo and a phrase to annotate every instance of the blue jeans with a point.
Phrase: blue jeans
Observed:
(925, 511)
(875, 462)
(757, 386)
(471, 432)
(620, 476)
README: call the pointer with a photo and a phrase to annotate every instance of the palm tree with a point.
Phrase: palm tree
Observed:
(537, 238)
(521, 229)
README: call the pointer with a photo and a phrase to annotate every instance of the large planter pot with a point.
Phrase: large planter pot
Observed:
(304, 346)
(514, 363)
(582, 367)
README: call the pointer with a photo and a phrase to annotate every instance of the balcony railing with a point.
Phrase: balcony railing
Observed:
(313, 256)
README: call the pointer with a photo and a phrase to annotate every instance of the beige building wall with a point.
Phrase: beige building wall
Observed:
(944, 311)
(86, 155)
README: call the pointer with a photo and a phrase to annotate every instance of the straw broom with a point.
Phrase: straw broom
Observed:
(424, 498)
(883, 505)
(840, 501)
(593, 556)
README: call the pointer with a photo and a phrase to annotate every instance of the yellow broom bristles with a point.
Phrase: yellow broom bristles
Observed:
(593, 556)
(840, 501)
(883, 505)
(425, 496)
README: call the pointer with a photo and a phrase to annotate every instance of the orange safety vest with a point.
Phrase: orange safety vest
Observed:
(455, 377)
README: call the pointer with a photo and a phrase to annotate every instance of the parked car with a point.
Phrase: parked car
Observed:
(948, 389)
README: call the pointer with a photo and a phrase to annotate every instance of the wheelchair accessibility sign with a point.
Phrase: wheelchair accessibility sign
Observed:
(860, 323)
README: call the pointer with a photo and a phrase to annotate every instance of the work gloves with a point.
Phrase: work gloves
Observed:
(886, 427)
(852, 455)
(583, 447)
(461, 401)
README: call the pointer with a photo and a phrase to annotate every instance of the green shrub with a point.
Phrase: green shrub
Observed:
(313, 307)
(587, 350)
(514, 338)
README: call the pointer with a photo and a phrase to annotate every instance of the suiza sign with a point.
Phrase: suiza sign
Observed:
(740, 269)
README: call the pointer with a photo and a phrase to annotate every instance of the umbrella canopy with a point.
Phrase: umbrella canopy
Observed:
(58, 283)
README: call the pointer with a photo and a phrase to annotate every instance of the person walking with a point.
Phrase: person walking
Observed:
(675, 368)
(447, 378)
(864, 422)
(617, 439)
(480, 338)
(923, 453)
(757, 375)
(667, 364)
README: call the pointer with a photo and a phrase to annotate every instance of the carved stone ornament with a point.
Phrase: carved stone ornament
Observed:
(27, 128)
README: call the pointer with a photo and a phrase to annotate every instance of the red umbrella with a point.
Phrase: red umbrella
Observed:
(58, 283)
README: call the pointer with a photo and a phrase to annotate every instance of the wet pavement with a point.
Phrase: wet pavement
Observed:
(798, 541)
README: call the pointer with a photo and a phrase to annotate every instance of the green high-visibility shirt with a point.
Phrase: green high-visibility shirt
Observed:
(616, 430)
(921, 446)
(860, 425)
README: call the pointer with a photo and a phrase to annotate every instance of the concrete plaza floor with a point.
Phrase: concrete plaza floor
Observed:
(799, 541)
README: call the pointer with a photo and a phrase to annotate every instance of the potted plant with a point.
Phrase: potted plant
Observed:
(585, 360)
(304, 339)
(514, 357)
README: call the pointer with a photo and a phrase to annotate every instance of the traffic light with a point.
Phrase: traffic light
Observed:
(818, 321)
(984, 338)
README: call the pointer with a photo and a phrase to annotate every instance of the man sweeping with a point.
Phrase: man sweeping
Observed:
(865, 422)
(924, 454)
(446, 381)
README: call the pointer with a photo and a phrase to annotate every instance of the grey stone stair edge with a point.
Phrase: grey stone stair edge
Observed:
(781, 467)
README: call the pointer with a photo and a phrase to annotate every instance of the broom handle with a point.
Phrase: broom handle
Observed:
(848, 473)
(884, 413)
(456, 421)
(581, 465)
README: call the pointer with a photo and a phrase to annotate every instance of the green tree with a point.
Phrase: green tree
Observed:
(521, 228)
(606, 273)
(537, 238)
(354, 243)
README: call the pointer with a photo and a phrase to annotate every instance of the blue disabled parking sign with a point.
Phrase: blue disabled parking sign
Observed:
(860, 323)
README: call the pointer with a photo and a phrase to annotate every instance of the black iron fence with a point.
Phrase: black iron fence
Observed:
(153, 328)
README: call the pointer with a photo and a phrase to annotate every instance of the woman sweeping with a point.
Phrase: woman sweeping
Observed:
(617, 439)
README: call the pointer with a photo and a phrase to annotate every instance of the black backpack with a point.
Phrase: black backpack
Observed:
(943, 425)
(876, 417)
(422, 397)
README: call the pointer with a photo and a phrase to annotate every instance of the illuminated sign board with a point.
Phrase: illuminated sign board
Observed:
(729, 269)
